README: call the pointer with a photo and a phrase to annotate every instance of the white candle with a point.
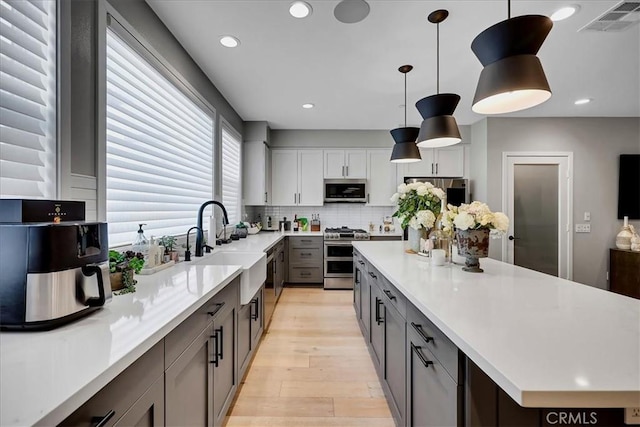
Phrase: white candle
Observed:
(438, 256)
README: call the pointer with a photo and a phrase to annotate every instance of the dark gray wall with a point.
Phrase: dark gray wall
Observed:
(83, 87)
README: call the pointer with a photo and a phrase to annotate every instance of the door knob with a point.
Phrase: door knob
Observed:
(513, 238)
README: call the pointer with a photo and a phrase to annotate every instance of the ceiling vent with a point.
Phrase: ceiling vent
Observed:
(620, 17)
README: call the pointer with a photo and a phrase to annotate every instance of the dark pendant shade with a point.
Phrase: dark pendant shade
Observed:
(438, 131)
(405, 149)
(512, 78)
(439, 127)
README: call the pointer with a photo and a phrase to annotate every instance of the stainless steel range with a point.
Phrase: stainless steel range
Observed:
(338, 256)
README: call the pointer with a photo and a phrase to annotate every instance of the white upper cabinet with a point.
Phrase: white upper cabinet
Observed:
(310, 180)
(438, 162)
(297, 178)
(256, 182)
(284, 177)
(381, 177)
(345, 164)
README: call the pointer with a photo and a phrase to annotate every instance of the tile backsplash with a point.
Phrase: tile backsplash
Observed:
(331, 215)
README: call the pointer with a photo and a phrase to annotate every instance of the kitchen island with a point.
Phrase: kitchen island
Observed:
(546, 342)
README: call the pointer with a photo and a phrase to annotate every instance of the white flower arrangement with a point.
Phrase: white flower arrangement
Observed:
(475, 216)
(418, 204)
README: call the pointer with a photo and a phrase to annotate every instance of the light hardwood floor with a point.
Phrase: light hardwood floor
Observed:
(312, 368)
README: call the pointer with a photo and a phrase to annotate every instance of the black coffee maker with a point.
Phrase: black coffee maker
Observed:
(55, 266)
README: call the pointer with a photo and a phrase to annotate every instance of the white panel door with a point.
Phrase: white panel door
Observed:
(449, 161)
(334, 163)
(310, 178)
(284, 177)
(355, 164)
(381, 179)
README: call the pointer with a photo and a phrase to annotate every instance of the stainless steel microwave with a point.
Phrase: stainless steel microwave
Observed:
(345, 190)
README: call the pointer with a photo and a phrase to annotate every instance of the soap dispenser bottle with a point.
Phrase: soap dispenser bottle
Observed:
(141, 244)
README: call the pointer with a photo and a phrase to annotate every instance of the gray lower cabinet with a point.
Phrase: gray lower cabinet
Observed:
(189, 384)
(394, 360)
(148, 411)
(132, 394)
(306, 259)
(434, 399)
(224, 361)
(250, 328)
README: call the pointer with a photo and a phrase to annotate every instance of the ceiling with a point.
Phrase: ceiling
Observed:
(349, 71)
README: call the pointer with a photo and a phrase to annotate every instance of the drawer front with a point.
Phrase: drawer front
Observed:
(184, 334)
(433, 397)
(122, 392)
(312, 256)
(393, 296)
(301, 274)
(306, 242)
(435, 341)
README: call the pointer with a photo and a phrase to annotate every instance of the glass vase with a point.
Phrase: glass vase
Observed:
(415, 236)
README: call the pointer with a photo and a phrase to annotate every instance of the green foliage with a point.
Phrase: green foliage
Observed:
(122, 261)
(168, 242)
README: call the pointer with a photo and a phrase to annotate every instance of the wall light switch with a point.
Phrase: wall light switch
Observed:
(587, 216)
(583, 228)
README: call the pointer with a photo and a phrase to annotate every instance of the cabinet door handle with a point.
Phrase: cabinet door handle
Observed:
(215, 348)
(342, 171)
(423, 359)
(360, 262)
(221, 346)
(218, 308)
(347, 168)
(255, 315)
(389, 295)
(102, 421)
(373, 275)
(431, 168)
(367, 197)
(379, 318)
(418, 329)
(265, 197)
(436, 169)
(306, 241)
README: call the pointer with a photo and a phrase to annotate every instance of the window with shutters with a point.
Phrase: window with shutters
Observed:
(28, 99)
(159, 148)
(231, 172)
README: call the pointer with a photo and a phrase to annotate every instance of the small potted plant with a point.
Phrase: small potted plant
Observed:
(169, 242)
(122, 266)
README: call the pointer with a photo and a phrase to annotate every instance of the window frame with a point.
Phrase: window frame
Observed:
(108, 17)
(226, 126)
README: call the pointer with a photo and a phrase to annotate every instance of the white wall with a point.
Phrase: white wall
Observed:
(596, 144)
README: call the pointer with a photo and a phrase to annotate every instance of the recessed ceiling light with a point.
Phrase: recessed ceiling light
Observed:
(564, 13)
(300, 9)
(307, 106)
(583, 101)
(229, 41)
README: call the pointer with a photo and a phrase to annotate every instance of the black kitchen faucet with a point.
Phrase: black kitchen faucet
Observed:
(199, 234)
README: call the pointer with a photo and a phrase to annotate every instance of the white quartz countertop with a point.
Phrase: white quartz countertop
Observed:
(547, 342)
(45, 376)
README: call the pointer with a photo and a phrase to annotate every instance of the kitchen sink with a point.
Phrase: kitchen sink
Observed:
(254, 270)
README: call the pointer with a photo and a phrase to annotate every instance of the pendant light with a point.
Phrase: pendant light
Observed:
(439, 127)
(405, 149)
(512, 78)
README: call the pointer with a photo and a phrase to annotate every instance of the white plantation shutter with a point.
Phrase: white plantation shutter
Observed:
(231, 173)
(159, 149)
(28, 99)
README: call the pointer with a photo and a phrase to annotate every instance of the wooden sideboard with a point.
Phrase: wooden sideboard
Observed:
(624, 272)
